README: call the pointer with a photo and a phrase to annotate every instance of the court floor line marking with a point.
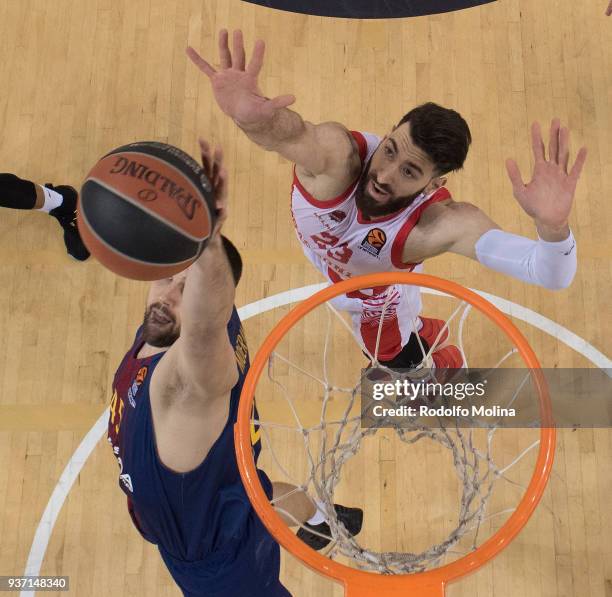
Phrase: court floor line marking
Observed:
(44, 530)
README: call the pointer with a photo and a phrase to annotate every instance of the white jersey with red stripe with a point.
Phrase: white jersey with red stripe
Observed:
(345, 243)
(342, 244)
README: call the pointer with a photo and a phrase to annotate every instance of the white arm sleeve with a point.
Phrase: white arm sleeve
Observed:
(549, 264)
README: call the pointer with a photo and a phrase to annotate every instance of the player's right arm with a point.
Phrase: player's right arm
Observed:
(326, 156)
(205, 360)
(191, 385)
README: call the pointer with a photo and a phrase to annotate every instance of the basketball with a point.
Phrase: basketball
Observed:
(146, 210)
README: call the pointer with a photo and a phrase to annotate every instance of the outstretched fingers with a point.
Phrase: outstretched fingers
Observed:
(220, 189)
(206, 68)
(256, 61)
(239, 58)
(282, 101)
(217, 165)
(553, 142)
(564, 148)
(558, 148)
(225, 57)
(515, 175)
(212, 163)
(578, 164)
(206, 157)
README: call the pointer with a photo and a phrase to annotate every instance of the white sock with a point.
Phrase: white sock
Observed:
(52, 199)
(318, 516)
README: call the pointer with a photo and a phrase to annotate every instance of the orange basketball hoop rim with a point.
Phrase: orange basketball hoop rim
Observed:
(359, 583)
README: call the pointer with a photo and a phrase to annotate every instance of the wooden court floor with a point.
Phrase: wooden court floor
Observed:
(80, 78)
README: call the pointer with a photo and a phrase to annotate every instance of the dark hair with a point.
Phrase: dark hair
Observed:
(234, 258)
(441, 133)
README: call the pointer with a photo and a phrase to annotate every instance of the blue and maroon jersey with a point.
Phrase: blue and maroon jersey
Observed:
(202, 521)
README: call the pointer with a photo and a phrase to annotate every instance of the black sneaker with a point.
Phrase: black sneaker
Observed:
(65, 214)
(351, 518)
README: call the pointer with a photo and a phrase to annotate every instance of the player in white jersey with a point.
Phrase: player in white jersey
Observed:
(362, 204)
(342, 242)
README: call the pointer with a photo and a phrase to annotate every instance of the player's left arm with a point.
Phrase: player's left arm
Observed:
(549, 261)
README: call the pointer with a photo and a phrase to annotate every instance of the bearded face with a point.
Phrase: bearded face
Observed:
(397, 173)
(160, 326)
(375, 200)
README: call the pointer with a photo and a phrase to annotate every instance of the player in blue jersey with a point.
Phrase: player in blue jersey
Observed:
(175, 400)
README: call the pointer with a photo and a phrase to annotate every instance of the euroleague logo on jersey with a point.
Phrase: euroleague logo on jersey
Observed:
(374, 241)
(133, 389)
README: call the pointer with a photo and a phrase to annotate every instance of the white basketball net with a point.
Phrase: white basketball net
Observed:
(339, 438)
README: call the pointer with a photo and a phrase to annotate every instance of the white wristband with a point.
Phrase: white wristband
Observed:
(549, 264)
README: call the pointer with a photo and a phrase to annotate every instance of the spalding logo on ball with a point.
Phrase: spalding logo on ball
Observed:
(146, 210)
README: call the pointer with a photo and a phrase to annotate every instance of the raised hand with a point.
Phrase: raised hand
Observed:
(235, 85)
(549, 195)
(212, 162)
